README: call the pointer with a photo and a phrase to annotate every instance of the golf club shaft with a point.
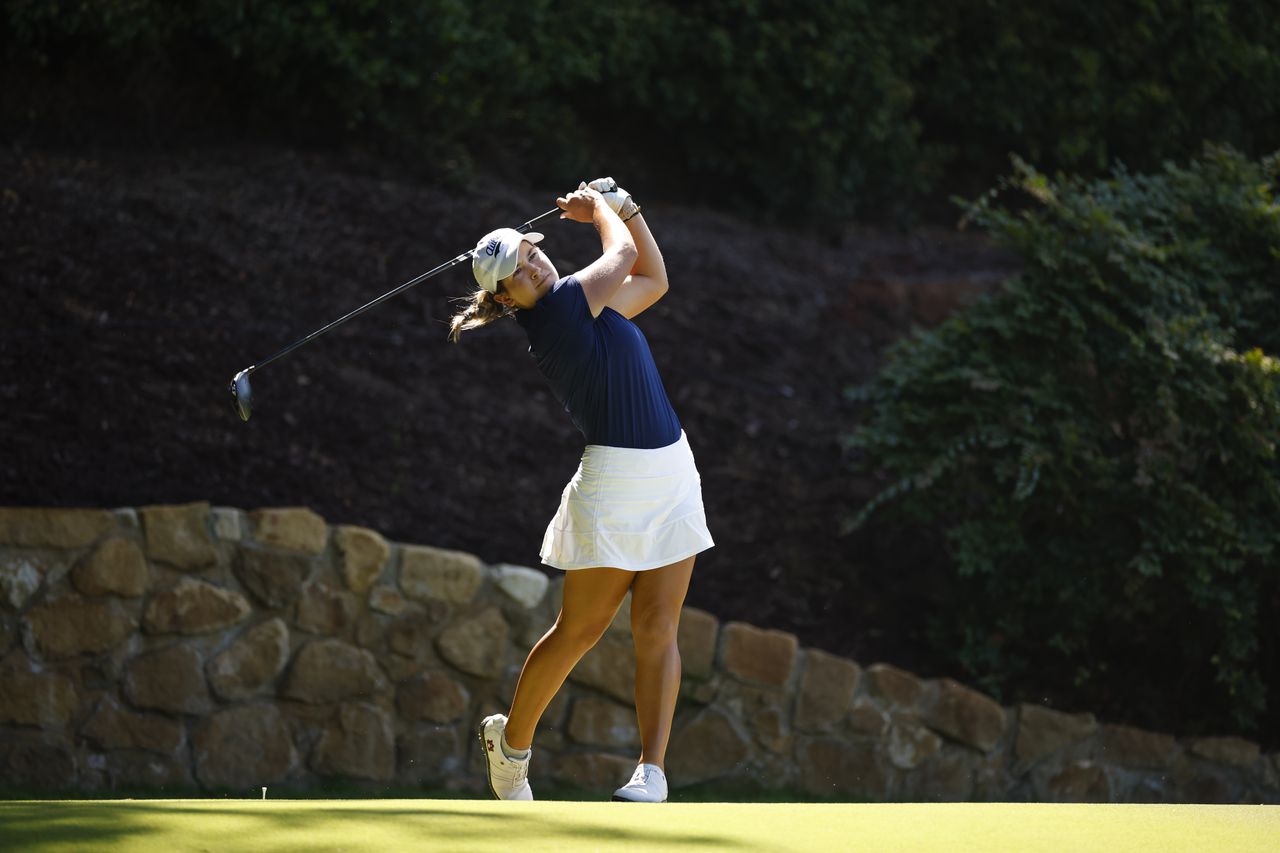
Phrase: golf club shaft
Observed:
(449, 264)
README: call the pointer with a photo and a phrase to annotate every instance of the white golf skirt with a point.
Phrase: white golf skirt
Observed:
(630, 509)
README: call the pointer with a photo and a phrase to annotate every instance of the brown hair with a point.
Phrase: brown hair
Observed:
(481, 310)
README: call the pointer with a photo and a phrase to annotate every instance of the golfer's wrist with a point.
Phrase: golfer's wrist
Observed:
(602, 211)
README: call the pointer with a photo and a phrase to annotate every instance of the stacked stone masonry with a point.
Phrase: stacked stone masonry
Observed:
(207, 648)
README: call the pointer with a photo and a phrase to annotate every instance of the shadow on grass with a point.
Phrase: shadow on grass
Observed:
(112, 819)
(707, 792)
(313, 825)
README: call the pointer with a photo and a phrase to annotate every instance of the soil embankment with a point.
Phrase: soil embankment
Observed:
(136, 286)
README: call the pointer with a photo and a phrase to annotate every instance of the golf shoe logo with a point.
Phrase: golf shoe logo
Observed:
(489, 744)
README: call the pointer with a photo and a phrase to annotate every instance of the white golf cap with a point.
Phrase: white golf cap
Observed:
(496, 255)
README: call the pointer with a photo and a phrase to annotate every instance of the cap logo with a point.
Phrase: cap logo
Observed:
(492, 247)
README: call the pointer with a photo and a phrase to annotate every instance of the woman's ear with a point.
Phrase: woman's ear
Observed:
(504, 298)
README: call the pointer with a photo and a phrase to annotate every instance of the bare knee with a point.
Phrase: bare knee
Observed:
(654, 627)
(582, 630)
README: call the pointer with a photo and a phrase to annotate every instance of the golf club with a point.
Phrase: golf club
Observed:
(241, 391)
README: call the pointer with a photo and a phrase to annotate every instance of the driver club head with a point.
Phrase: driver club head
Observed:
(242, 394)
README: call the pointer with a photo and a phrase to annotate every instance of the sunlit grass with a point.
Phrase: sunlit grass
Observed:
(162, 826)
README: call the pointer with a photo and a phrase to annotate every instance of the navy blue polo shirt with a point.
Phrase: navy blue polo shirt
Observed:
(600, 369)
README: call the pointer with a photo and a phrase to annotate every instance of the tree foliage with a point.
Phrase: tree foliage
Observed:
(1080, 86)
(803, 109)
(1098, 441)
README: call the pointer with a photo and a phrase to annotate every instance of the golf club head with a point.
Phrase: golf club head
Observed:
(242, 394)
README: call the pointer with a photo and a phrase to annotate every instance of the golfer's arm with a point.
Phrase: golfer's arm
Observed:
(648, 279)
(601, 279)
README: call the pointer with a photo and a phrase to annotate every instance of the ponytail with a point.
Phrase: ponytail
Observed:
(481, 310)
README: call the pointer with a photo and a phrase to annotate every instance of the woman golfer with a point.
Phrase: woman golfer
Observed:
(631, 518)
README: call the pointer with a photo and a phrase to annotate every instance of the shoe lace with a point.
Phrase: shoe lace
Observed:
(512, 771)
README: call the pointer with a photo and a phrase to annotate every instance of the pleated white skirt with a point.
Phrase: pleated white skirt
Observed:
(630, 509)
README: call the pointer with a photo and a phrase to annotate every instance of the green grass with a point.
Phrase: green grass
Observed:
(173, 826)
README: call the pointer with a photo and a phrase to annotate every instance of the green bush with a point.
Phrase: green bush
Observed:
(803, 109)
(797, 107)
(1080, 86)
(1098, 442)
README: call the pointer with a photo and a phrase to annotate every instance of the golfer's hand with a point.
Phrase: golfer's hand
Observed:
(580, 205)
(618, 199)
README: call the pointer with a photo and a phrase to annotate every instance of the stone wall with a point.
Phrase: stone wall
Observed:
(190, 647)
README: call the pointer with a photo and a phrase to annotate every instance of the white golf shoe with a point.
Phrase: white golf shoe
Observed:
(508, 777)
(648, 785)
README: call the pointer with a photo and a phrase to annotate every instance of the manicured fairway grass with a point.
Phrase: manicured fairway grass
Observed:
(165, 826)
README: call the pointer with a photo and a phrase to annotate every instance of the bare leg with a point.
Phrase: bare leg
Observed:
(591, 598)
(656, 599)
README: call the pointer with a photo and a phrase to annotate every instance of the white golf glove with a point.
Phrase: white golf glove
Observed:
(618, 199)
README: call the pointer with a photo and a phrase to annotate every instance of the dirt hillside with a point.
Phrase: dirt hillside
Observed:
(136, 285)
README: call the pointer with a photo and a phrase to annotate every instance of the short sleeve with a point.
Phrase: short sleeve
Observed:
(557, 316)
